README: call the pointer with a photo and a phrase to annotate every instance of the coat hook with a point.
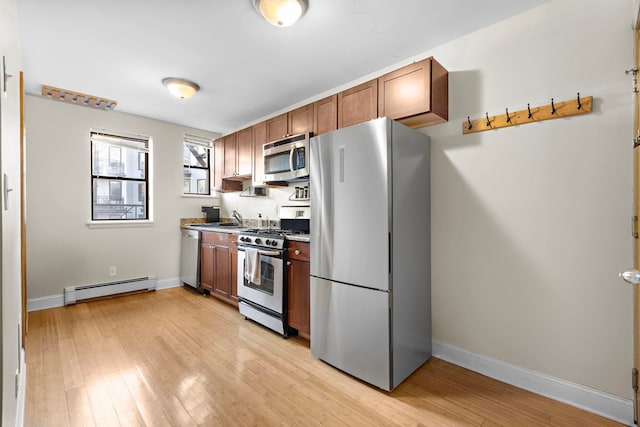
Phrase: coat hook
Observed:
(488, 121)
(553, 107)
(508, 118)
(529, 115)
(579, 103)
(469, 125)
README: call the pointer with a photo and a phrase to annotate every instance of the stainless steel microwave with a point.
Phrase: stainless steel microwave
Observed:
(287, 159)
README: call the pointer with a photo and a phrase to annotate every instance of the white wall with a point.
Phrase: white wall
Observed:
(11, 307)
(268, 207)
(61, 249)
(531, 223)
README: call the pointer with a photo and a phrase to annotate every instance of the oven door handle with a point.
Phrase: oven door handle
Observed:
(269, 253)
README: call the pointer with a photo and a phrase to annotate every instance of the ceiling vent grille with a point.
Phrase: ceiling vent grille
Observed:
(78, 98)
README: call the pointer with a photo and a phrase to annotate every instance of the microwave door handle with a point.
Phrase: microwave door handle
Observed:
(293, 149)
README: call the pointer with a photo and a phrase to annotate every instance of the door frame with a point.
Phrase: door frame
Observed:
(636, 210)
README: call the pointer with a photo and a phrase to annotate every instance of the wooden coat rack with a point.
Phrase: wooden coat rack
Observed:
(554, 110)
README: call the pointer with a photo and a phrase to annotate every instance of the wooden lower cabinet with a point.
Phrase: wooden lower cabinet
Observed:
(218, 263)
(233, 266)
(206, 266)
(221, 273)
(298, 284)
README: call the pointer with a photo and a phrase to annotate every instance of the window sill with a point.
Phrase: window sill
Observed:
(120, 224)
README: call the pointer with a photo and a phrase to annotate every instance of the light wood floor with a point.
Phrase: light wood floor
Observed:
(176, 358)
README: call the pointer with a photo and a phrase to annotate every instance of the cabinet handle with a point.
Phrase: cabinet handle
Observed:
(288, 262)
(297, 252)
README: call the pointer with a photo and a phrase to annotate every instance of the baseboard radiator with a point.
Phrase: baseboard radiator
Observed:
(73, 294)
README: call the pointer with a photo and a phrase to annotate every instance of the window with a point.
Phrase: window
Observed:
(119, 177)
(196, 161)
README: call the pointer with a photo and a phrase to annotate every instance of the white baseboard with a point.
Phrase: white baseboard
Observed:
(43, 303)
(169, 283)
(598, 402)
(53, 301)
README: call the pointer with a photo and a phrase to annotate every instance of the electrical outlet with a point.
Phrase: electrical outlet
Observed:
(112, 271)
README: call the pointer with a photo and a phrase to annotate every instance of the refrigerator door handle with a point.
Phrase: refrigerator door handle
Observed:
(389, 253)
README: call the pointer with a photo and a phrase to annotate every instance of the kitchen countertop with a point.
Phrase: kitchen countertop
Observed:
(300, 237)
(237, 230)
(218, 229)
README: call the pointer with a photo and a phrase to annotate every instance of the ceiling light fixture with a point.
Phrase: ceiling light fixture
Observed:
(281, 13)
(181, 88)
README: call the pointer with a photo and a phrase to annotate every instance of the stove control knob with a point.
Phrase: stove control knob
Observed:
(274, 243)
(258, 241)
(267, 242)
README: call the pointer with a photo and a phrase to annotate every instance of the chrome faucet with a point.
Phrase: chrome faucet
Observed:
(235, 215)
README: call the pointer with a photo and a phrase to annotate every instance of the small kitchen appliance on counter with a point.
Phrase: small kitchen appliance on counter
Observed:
(370, 251)
(213, 214)
(262, 272)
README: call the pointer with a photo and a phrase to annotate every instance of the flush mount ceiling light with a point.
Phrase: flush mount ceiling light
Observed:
(181, 88)
(281, 13)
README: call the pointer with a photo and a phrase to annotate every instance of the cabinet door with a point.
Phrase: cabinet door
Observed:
(221, 273)
(230, 149)
(277, 127)
(298, 289)
(245, 144)
(325, 115)
(301, 120)
(405, 92)
(358, 104)
(218, 163)
(416, 95)
(259, 139)
(206, 266)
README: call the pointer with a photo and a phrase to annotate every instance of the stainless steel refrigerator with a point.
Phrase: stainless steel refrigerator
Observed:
(370, 251)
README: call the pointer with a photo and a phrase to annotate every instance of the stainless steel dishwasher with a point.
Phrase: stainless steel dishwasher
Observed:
(190, 257)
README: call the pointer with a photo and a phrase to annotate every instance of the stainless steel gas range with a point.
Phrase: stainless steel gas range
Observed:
(262, 271)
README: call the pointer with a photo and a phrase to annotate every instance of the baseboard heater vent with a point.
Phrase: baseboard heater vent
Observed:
(73, 294)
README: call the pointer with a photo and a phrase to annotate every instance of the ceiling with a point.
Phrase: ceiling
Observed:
(247, 68)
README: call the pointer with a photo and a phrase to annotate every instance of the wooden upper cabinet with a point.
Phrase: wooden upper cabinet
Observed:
(230, 150)
(219, 163)
(325, 117)
(259, 139)
(416, 95)
(358, 104)
(244, 152)
(300, 120)
(277, 127)
(294, 122)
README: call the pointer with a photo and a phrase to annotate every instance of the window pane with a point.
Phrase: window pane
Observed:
(196, 156)
(117, 161)
(196, 181)
(119, 199)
